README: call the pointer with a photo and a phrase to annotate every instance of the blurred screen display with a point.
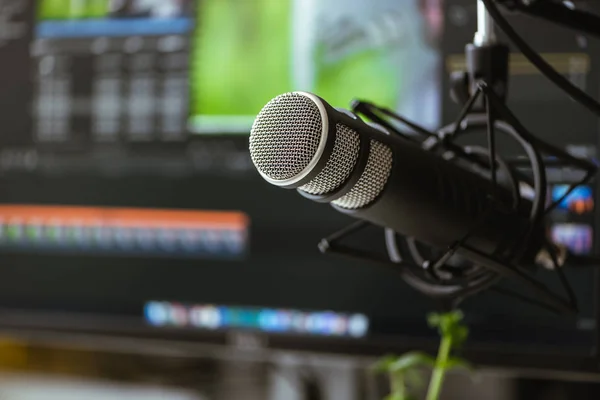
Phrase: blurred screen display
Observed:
(241, 54)
(129, 197)
(577, 237)
(339, 49)
(578, 201)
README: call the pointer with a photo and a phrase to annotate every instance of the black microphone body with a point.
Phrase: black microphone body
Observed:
(426, 196)
(439, 203)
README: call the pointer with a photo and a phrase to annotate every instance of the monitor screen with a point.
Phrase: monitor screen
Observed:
(129, 204)
(340, 50)
(237, 56)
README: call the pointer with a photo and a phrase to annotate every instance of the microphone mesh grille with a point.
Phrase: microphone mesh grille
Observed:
(373, 179)
(340, 164)
(285, 136)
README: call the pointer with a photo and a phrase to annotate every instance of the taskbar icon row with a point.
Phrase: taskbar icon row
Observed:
(269, 320)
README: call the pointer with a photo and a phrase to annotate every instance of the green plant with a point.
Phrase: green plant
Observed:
(404, 372)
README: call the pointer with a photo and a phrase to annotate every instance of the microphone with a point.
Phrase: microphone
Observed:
(299, 141)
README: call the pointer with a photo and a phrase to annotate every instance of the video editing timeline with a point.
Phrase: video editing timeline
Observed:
(573, 218)
(215, 317)
(122, 231)
(105, 71)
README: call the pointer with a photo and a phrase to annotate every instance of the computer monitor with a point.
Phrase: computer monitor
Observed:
(130, 207)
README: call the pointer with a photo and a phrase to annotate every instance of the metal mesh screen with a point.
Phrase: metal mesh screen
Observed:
(285, 136)
(340, 164)
(373, 179)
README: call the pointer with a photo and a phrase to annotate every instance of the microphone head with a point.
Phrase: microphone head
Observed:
(288, 141)
(288, 137)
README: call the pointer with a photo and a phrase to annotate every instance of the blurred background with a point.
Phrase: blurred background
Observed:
(142, 257)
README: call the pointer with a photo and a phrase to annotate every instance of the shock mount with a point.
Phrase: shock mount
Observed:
(482, 92)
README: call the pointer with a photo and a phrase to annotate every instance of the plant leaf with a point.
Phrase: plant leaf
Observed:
(383, 365)
(449, 325)
(457, 363)
(412, 360)
(458, 334)
(414, 379)
(433, 320)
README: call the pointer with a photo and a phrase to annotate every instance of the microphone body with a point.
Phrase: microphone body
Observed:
(389, 181)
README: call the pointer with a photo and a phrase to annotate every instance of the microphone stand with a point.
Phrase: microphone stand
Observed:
(482, 91)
